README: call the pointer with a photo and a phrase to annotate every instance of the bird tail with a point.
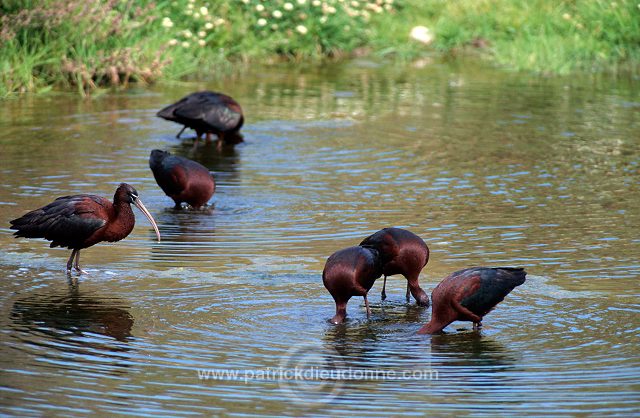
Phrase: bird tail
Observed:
(517, 275)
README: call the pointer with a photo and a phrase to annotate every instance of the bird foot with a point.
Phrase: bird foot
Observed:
(78, 270)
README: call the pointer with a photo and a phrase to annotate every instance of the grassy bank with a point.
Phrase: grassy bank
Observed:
(86, 44)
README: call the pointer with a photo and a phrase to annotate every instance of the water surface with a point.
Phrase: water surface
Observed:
(490, 168)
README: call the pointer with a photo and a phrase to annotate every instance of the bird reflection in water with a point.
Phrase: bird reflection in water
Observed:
(360, 340)
(470, 350)
(65, 316)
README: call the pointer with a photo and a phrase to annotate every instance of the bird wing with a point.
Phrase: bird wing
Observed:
(219, 111)
(164, 173)
(67, 221)
(494, 285)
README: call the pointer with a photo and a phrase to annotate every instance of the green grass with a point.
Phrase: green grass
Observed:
(88, 44)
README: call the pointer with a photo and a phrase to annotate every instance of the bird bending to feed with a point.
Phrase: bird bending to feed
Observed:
(402, 252)
(181, 179)
(470, 294)
(350, 272)
(83, 220)
(207, 112)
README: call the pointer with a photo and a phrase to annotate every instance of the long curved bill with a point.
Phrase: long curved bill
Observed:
(146, 213)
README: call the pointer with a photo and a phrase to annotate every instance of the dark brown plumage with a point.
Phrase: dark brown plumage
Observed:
(350, 272)
(402, 252)
(181, 179)
(469, 294)
(83, 220)
(207, 112)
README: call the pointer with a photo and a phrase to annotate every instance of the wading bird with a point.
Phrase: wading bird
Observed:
(402, 252)
(83, 220)
(181, 179)
(470, 294)
(350, 272)
(207, 112)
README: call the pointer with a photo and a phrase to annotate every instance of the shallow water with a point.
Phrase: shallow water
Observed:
(490, 168)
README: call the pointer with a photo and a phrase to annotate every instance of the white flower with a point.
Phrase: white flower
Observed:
(196, 15)
(331, 9)
(189, 6)
(277, 14)
(208, 25)
(167, 23)
(202, 34)
(262, 22)
(274, 26)
(302, 1)
(185, 44)
(355, 3)
(316, 3)
(323, 19)
(260, 8)
(245, 1)
(219, 21)
(187, 33)
(421, 34)
(288, 6)
(204, 11)
(566, 16)
(302, 29)
(173, 42)
(202, 42)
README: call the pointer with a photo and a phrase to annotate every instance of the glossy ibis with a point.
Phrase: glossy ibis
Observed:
(83, 220)
(402, 252)
(470, 294)
(181, 179)
(351, 272)
(207, 112)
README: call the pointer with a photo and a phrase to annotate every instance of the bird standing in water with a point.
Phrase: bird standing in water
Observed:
(83, 220)
(351, 272)
(470, 294)
(402, 252)
(207, 112)
(181, 179)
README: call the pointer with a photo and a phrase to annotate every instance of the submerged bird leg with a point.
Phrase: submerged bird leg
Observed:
(408, 293)
(366, 305)
(383, 295)
(477, 326)
(76, 265)
(181, 131)
(70, 262)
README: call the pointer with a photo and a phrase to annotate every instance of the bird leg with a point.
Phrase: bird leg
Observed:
(70, 262)
(181, 131)
(383, 295)
(208, 138)
(76, 265)
(408, 293)
(366, 305)
(477, 326)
